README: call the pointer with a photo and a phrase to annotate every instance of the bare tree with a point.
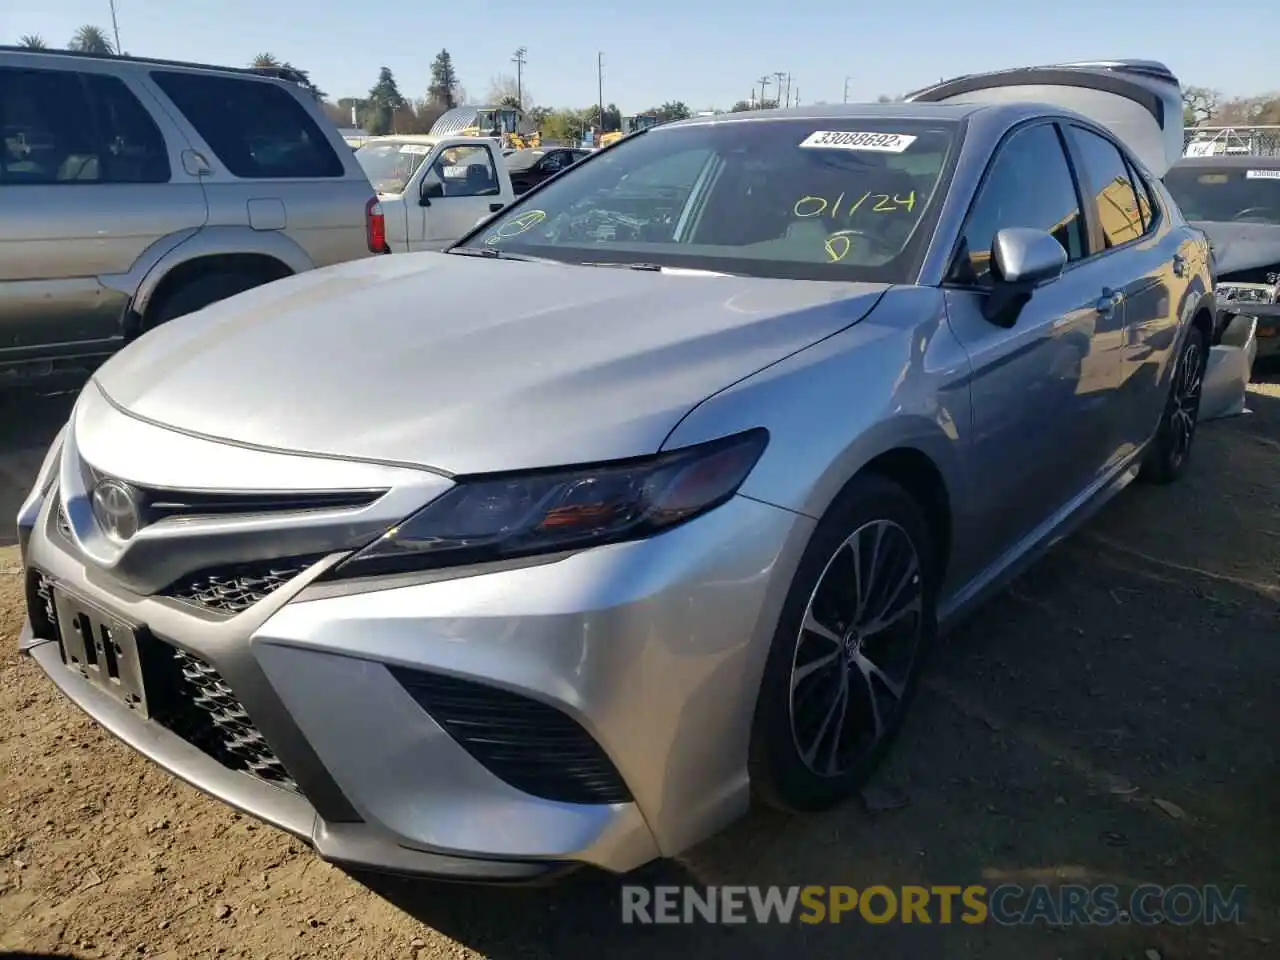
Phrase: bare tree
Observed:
(504, 91)
(1199, 104)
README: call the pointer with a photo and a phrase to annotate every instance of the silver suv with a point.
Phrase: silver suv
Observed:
(135, 191)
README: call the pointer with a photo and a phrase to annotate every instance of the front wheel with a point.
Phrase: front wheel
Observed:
(1170, 450)
(848, 649)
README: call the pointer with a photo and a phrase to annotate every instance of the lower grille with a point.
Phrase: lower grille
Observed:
(234, 589)
(200, 707)
(528, 744)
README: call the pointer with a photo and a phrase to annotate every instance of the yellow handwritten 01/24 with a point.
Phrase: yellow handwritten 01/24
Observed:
(815, 206)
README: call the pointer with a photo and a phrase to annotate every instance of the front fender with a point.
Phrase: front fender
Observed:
(218, 241)
(896, 379)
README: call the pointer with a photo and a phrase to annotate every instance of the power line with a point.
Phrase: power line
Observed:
(519, 61)
(115, 28)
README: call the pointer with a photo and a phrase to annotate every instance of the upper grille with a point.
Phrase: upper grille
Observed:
(235, 588)
(532, 746)
(201, 708)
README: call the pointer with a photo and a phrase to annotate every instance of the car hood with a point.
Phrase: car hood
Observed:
(468, 365)
(1242, 246)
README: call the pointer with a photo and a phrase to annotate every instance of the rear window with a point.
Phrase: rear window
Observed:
(257, 129)
(1224, 194)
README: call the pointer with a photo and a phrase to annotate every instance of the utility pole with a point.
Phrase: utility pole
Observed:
(779, 76)
(797, 103)
(115, 29)
(600, 87)
(764, 84)
(846, 88)
(519, 61)
(788, 89)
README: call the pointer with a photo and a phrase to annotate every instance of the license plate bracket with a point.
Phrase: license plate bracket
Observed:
(101, 647)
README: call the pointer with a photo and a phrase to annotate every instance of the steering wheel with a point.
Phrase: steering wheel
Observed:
(1258, 213)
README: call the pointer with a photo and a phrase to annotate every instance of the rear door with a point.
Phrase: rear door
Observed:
(461, 187)
(1140, 262)
(1043, 389)
(273, 167)
(87, 184)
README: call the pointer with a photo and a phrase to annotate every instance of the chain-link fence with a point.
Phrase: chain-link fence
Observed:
(1229, 141)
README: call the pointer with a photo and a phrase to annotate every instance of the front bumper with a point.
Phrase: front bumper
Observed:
(652, 649)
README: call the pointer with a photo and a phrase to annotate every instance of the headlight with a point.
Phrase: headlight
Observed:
(497, 517)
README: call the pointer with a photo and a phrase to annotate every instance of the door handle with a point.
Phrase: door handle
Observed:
(1179, 265)
(495, 207)
(1108, 302)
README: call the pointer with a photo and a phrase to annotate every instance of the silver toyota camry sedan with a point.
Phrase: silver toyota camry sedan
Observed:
(647, 498)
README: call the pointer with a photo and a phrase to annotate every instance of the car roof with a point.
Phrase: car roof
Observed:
(1234, 161)
(403, 138)
(263, 73)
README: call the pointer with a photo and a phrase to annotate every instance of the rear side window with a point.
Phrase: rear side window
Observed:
(1115, 198)
(60, 127)
(258, 130)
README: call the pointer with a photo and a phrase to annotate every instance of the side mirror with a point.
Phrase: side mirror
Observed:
(1022, 259)
(431, 190)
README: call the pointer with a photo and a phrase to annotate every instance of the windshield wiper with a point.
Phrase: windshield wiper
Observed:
(656, 268)
(494, 254)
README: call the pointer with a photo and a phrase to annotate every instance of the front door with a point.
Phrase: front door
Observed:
(1043, 390)
(87, 184)
(460, 188)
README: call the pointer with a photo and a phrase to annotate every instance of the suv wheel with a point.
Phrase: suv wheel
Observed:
(199, 293)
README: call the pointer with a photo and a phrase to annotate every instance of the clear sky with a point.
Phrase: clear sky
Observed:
(707, 54)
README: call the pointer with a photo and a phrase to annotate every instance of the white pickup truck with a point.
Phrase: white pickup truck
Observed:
(432, 190)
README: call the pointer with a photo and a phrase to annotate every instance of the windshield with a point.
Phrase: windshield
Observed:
(524, 159)
(820, 199)
(391, 164)
(1222, 194)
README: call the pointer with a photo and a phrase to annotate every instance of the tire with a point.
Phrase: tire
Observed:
(781, 774)
(199, 293)
(1171, 447)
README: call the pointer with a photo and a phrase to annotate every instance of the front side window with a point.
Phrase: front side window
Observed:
(835, 199)
(462, 172)
(1223, 194)
(1029, 184)
(1115, 198)
(256, 128)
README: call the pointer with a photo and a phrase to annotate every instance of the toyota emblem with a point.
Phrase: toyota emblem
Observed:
(115, 507)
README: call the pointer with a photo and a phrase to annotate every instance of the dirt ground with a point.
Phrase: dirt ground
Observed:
(1112, 718)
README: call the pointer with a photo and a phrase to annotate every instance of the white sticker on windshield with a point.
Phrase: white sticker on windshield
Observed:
(417, 148)
(1262, 174)
(847, 140)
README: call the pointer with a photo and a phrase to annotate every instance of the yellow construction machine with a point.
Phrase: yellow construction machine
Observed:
(630, 125)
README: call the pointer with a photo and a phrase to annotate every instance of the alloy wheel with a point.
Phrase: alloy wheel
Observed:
(857, 647)
(1188, 383)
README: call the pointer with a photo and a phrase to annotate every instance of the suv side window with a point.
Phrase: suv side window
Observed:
(133, 149)
(258, 130)
(1108, 173)
(1029, 184)
(46, 128)
(1147, 208)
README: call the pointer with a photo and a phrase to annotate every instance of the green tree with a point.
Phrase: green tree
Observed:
(1199, 104)
(32, 41)
(673, 110)
(91, 39)
(383, 102)
(264, 61)
(444, 81)
(303, 78)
